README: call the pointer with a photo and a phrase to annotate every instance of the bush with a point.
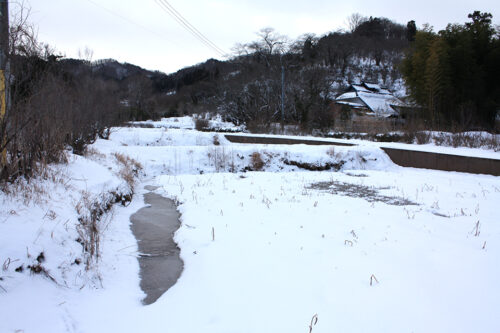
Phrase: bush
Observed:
(256, 161)
(423, 137)
(52, 107)
(201, 124)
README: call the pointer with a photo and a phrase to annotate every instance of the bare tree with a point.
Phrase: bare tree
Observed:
(270, 42)
(51, 108)
(354, 21)
(240, 49)
(87, 55)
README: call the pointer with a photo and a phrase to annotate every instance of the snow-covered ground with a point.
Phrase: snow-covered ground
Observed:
(367, 246)
(439, 142)
(430, 147)
(188, 122)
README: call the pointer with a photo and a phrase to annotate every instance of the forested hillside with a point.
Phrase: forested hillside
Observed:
(450, 78)
(310, 70)
(453, 74)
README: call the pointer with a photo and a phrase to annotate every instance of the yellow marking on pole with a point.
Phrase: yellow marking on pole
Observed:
(3, 110)
(3, 104)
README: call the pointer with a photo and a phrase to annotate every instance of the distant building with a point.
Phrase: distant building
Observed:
(371, 100)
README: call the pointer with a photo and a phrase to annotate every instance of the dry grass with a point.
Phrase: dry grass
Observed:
(367, 124)
(139, 125)
(413, 131)
(37, 189)
(315, 166)
(216, 140)
(256, 162)
(219, 158)
(201, 124)
(93, 154)
(373, 279)
(331, 152)
(470, 140)
(477, 229)
(370, 194)
(423, 137)
(130, 169)
(94, 211)
(314, 321)
(94, 216)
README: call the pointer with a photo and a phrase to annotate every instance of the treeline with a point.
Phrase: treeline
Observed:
(248, 88)
(58, 105)
(453, 75)
(52, 111)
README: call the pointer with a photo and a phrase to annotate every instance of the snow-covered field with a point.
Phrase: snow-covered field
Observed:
(367, 246)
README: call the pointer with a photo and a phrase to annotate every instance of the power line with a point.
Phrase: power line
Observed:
(132, 22)
(191, 26)
(186, 25)
(171, 11)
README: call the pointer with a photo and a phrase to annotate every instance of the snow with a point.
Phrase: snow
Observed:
(431, 147)
(379, 103)
(372, 86)
(288, 243)
(377, 99)
(377, 88)
(347, 95)
(360, 88)
(172, 122)
(188, 122)
(356, 105)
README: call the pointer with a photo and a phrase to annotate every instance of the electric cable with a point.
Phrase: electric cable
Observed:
(131, 21)
(171, 11)
(191, 26)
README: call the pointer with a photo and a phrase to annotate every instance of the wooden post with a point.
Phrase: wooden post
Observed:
(4, 52)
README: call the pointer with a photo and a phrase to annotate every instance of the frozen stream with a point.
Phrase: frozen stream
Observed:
(154, 227)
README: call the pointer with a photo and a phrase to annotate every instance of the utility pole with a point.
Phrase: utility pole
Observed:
(282, 95)
(4, 52)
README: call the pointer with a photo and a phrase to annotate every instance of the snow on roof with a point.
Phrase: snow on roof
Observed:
(375, 98)
(380, 103)
(384, 91)
(369, 87)
(355, 105)
(375, 88)
(372, 86)
(359, 87)
(351, 94)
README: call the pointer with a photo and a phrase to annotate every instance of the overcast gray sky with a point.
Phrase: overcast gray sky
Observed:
(142, 33)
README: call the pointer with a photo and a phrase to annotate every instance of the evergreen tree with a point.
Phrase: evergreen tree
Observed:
(411, 31)
(453, 74)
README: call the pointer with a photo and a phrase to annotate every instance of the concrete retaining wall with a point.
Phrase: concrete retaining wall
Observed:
(402, 157)
(445, 162)
(281, 141)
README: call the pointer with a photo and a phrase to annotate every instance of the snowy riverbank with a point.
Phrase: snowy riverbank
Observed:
(366, 245)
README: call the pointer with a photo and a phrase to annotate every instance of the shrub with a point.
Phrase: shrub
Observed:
(201, 124)
(218, 157)
(256, 161)
(423, 137)
(129, 170)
